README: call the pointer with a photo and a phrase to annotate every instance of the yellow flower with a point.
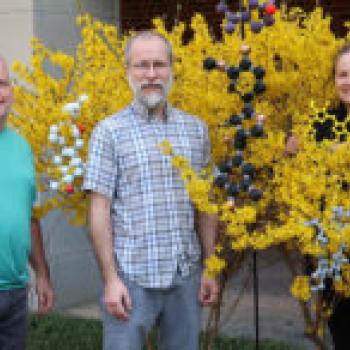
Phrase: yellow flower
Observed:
(301, 288)
(166, 147)
(214, 265)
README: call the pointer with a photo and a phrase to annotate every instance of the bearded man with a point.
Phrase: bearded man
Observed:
(148, 238)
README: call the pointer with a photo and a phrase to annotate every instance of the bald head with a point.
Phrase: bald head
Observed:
(6, 96)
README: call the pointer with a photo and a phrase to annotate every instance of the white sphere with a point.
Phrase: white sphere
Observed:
(53, 129)
(61, 140)
(68, 152)
(83, 98)
(68, 178)
(53, 185)
(75, 161)
(79, 143)
(53, 138)
(57, 160)
(75, 131)
(78, 172)
(72, 108)
(64, 169)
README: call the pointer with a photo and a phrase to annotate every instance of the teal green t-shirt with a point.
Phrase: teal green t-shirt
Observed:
(17, 194)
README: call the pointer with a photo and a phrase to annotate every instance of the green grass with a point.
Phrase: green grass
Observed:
(56, 332)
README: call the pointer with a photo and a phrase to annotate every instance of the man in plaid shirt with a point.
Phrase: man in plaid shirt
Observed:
(142, 221)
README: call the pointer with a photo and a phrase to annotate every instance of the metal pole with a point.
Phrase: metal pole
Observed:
(255, 262)
(256, 297)
(242, 22)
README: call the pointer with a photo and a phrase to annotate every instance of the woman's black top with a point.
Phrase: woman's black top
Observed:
(325, 128)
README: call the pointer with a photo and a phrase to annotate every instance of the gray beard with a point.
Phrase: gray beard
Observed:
(151, 101)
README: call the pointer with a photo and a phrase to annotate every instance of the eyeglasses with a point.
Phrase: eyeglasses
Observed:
(145, 66)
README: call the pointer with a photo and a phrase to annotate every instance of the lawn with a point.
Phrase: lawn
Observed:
(56, 332)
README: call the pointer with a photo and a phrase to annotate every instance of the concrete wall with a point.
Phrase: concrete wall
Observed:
(73, 267)
(54, 21)
(16, 29)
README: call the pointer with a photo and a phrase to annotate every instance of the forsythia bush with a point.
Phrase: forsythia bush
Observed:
(297, 53)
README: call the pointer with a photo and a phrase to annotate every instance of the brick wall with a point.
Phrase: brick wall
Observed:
(137, 14)
(338, 9)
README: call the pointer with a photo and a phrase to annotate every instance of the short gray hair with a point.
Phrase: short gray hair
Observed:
(147, 34)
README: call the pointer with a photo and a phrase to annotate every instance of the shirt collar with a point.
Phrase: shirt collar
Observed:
(142, 111)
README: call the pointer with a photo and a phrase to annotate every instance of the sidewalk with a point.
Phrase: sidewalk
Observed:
(90, 310)
(279, 314)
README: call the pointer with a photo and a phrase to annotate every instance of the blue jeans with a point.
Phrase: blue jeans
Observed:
(13, 319)
(176, 310)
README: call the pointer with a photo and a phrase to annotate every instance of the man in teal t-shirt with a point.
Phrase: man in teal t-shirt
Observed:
(20, 234)
(17, 188)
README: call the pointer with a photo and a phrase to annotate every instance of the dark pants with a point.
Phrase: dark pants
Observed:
(339, 325)
(13, 319)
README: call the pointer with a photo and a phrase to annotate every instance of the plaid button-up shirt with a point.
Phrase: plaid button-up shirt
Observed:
(152, 214)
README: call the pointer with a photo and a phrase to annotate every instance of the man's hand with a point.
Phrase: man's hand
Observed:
(41, 268)
(116, 296)
(45, 294)
(208, 291)
(117, 299)
(207, 228)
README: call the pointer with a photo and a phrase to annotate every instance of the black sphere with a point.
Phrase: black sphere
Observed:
(221, 180)
(237, 160)
(221, 7)
(259, 87)
(257, 130)
(248, 97)
(248, 110)
(268, 20)
(256, 27)
(245, 64)
(232, 190)
(233, 17)
(240, 140)
(209, 63)
(253, 4)
(255, 194)
(245, 183)
(225, 167)
(233, 72)
(245, 15)
(235, 120)
(259, 72)
(230, 27)
(248, 169)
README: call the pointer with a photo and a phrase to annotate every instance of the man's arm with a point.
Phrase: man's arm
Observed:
(39, 264)
(116, 295)
(207, 228)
